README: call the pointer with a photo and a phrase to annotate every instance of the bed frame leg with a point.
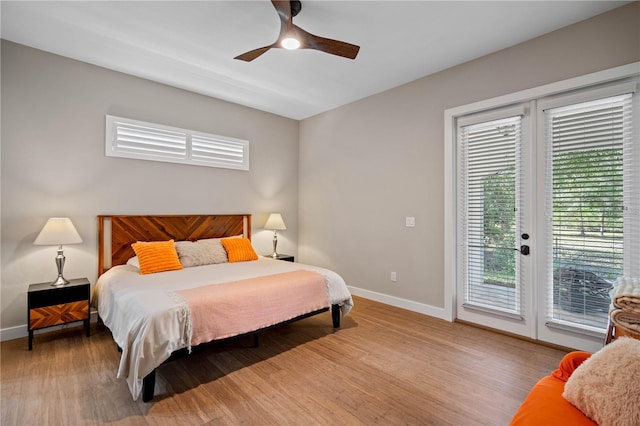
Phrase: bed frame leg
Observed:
(335, 315)
(148, 385)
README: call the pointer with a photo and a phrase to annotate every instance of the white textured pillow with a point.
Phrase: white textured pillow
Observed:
(202, 252)
(134, 262)
(606, 387)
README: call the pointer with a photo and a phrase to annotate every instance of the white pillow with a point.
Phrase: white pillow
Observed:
(202, 252)
(134, 262)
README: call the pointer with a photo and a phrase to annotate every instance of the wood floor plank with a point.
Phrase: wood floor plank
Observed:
(384, 366)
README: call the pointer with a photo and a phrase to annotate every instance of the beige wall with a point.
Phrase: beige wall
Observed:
(53, 164)
(366, 166)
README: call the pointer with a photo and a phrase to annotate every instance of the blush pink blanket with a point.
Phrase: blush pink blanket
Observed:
(230, 309)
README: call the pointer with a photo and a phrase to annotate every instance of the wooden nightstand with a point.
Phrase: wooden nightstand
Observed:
(286, 257)
(49, 306)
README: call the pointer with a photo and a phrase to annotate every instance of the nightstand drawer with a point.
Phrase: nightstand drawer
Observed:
(58, 314)
(44, 294)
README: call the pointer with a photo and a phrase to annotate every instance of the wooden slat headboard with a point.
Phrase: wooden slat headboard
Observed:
(122, 231)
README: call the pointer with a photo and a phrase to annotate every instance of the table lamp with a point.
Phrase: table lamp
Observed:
(57, 232)
(275, 224)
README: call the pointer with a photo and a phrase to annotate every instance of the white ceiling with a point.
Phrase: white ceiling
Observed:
(191, 45)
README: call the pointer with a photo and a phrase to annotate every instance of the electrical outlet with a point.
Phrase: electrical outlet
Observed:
(393, 277)
(410, 222)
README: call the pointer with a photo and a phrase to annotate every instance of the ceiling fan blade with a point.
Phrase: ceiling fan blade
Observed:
(283, 8)
(284, 12)
(286, 20)
(253, 54)
(334, 47)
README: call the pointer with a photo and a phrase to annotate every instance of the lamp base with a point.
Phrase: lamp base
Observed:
(60, 281)
(275, 244)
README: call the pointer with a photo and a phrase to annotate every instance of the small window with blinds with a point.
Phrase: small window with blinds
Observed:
(588, 148)
(148, 141)
(490, 198)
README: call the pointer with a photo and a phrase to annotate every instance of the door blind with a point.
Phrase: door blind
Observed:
(585, 205)
(489, 200)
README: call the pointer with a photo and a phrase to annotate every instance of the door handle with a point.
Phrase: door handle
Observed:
(524, 249)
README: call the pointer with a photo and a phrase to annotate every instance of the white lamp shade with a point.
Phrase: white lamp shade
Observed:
(275, 222)
(56, 232)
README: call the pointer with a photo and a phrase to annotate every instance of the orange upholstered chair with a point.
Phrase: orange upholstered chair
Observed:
(545, 405)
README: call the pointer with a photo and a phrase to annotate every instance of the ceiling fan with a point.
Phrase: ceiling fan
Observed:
(293, 37)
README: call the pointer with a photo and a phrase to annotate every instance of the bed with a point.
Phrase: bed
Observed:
(153, 316)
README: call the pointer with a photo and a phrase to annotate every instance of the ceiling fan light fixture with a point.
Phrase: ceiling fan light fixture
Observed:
(290, 43)
(292, 37)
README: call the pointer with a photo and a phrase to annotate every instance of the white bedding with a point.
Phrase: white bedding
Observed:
(149, 320)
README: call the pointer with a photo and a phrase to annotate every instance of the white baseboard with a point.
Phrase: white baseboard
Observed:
(13, 333)
(20, 331)
(422, 308)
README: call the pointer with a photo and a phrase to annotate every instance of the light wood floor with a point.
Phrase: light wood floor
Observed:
(384, 366)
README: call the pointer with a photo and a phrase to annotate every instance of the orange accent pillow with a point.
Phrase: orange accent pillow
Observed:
(239, 249)
(156, 256)
(569, 363)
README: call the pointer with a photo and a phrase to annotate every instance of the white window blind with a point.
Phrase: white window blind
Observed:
(489, 199)
(588, 193)
(215, 150)
(148, 141)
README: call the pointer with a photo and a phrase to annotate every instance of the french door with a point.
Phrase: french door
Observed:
(494, 221)
(590, 232)
(547, 214)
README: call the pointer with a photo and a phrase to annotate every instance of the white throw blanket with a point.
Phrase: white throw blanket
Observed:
(625, 294)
